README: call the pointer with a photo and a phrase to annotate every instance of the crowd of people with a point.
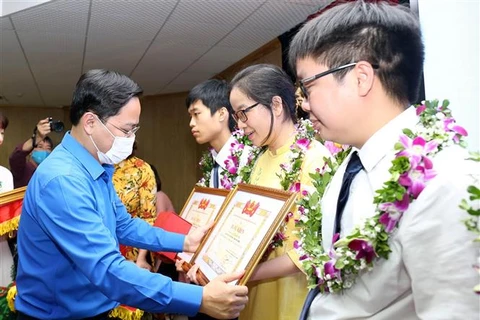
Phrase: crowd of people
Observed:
(91, 202)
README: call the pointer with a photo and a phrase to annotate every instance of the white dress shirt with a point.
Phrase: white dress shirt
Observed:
(220, 158)
(429, 272)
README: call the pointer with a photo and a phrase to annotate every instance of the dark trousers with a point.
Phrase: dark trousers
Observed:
(101, 316)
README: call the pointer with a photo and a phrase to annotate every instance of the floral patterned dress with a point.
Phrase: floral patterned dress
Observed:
(135, 184)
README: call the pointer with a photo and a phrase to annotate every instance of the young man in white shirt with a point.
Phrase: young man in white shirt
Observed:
(211, 122)
(359, 65)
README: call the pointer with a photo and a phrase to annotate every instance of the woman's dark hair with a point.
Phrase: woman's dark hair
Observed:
(157, 178)
(3, 121)
(262, 82)
(48, 140)
(102, 92)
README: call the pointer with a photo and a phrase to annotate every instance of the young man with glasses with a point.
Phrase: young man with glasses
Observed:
(359, 66)
(72, 223)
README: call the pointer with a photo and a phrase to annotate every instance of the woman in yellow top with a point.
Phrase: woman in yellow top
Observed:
(135, 184)
(263, 99)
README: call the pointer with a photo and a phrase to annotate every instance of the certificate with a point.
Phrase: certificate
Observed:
(249, 219)
(202, 207)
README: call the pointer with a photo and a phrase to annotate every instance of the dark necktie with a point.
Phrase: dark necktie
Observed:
(215, 174)
(354, 166)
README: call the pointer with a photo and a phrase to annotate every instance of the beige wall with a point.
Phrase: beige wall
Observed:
(164, 139)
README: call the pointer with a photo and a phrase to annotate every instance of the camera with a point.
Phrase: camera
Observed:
(55, 125)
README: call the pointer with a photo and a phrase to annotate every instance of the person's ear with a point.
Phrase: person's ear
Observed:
(88, 122)
(277, 106)
(222, 114)
(365, 76)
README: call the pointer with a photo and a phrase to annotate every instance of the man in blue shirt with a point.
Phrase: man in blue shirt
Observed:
(72, 223)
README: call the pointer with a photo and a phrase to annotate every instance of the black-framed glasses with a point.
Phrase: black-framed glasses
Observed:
(305, 81)
(241, 115)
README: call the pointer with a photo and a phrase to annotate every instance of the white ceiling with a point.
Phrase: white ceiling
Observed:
(165, 45)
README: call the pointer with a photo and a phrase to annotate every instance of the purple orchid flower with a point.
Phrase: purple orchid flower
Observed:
(289, 216)
(304, 257)
(329, 267)
(231, 164)
(295, 187)
(301, 209)
(237, 146)
(416, 149)
(303, 143)
(286, 166)
(333, 147)
(450, 126)
(364, 249)
(420, 109)
(296, 244)
(415, 179)
(226, 182)
(393, 212)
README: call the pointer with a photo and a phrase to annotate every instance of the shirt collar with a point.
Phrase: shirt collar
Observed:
(85, 158)
(224, 152)
(382, 142)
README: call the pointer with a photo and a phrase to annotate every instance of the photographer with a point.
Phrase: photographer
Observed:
(29, 154)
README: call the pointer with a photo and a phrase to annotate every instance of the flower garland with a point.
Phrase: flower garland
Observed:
(290, 172)
(411, 169)
(472, 223)
(234, 173)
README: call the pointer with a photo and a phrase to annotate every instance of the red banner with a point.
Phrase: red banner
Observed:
(9, 216)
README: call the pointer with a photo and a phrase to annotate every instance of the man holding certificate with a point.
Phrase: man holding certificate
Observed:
(72, 223)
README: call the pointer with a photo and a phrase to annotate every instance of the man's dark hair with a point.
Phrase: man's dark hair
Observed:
(380, 33)
(214, 95)
(261, 82)
(3, 121)
(102, 92)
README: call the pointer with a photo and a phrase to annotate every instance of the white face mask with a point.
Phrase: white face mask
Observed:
(121, 148)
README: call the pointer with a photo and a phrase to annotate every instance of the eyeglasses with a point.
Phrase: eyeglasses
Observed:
(128, 133)
(305, 81)
(317, 76)
(242, 114)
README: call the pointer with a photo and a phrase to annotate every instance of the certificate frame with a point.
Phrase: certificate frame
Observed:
(213, 201)
(12, 195)
(248, 208)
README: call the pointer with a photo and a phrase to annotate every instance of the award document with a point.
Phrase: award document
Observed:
(202, 207)
(249, 219)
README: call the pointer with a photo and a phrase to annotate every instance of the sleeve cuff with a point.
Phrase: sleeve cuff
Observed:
(173, 242)
(293, 255)
(186, 299)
